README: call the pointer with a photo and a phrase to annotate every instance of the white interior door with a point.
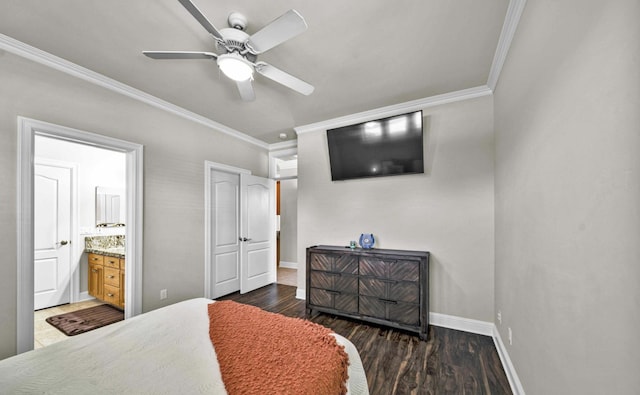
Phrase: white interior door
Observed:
(258, 232)
(225, 229)
(52, 235)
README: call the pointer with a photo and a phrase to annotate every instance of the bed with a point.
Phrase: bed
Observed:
(165, 351)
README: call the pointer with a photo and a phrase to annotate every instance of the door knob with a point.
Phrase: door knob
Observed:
(64, 242)
(243, 239)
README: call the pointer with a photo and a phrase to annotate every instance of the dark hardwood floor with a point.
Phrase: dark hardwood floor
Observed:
(450, 362)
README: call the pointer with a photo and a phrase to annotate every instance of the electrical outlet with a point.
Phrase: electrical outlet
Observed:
(163, 294)
(510, 337)
(499, 316)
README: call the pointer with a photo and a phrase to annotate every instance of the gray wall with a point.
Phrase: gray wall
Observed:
(567, 196)
(174, 153)
(447, 211)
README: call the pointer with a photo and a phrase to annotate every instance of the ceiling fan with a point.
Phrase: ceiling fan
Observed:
(238, 52)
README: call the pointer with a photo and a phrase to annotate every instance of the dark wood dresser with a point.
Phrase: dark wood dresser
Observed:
(387, 287)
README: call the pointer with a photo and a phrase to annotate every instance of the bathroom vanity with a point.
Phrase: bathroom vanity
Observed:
(105, 256)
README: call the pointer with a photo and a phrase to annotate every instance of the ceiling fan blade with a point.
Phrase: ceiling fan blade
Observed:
(246, 90)
(285, 27)
(284, 78)
(193, 10)
(179, 55)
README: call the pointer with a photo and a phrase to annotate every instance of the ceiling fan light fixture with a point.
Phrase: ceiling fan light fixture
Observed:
(235, 66)
(237, 51)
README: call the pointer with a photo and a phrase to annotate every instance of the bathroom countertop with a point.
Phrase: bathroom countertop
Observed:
(114, 252)
(105, 245)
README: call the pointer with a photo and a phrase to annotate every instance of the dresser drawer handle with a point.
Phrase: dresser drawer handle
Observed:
(388, 301)
(111, 276)
(333, 292)
(94, 271)
(95, 259)
(110, 295)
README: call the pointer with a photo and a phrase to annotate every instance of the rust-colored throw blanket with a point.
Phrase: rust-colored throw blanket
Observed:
(267, 353)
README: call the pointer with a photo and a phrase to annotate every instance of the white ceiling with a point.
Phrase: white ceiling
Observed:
(359, 54)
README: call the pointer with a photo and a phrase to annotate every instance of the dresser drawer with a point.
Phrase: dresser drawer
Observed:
(334, 263)
(403, 291)
(334, 300)
(403, 313)
(400, 270)
(334, 281)
(404, 271)
(112, 276)
(110, 261)
(96, 259)
(111, 295)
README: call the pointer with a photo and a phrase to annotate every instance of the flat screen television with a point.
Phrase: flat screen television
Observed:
(384, 147)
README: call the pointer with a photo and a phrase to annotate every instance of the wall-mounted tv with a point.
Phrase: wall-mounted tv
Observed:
(384, 147)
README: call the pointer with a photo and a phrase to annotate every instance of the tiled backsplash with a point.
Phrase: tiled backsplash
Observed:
(104, 242)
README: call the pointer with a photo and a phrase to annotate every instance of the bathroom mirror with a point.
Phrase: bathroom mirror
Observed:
(110, 210)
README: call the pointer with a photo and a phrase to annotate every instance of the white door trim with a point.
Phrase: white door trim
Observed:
(273, 155)
(209, 168)
(76, 248)
(27, 130)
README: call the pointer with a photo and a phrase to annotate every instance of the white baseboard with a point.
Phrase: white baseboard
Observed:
(301, 294)
(289, 265)
(510, 371)
(461, 324)
(482, 328)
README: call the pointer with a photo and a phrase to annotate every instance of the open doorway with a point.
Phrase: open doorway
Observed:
(69, 212)
(286, 174)
(28, 130)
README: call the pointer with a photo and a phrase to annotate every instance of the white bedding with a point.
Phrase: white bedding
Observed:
(165, 351)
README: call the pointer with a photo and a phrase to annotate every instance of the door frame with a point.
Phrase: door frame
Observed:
(277, 154)
(74, 279)
(27, 130)
(209, 168)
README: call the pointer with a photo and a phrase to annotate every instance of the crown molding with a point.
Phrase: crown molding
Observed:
(396, 109)
(511, 20)
(28, 52)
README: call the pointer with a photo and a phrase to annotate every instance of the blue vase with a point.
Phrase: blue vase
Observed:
(366, 240)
